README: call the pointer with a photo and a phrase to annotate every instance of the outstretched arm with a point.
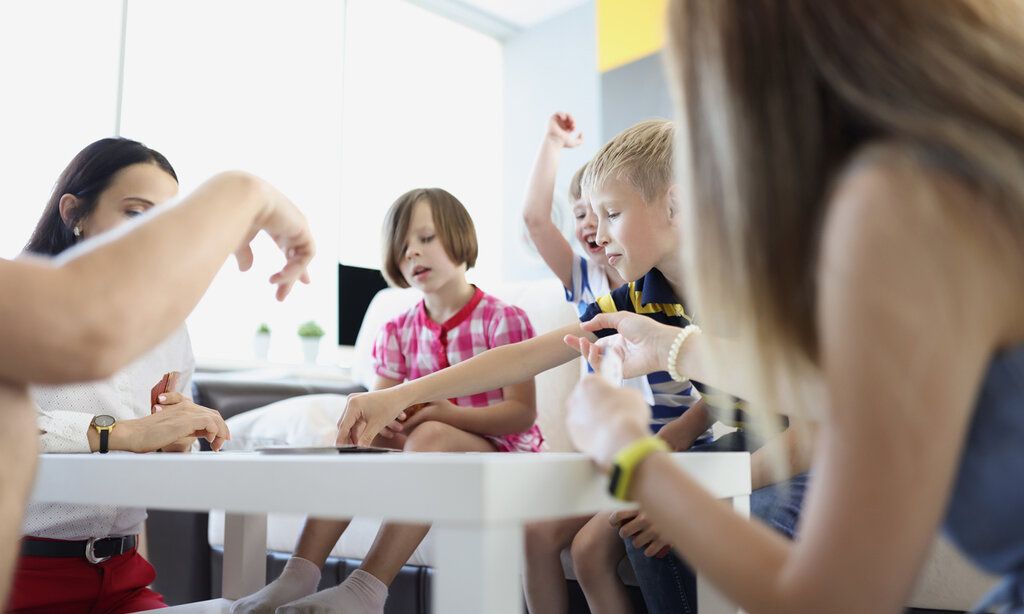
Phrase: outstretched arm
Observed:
(93, 310)
(367, 414)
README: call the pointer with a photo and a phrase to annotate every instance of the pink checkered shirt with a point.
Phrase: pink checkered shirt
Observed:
(412, 345)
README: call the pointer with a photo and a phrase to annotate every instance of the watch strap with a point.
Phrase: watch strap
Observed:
(105, 439)
(627, 460)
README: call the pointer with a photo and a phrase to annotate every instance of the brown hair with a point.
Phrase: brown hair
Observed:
(776, 97)
(640, 155)
(452, 224)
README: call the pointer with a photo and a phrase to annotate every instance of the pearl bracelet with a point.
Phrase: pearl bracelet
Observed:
(673, 352)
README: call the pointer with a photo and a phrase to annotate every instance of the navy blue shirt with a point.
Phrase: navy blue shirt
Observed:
(652, 296)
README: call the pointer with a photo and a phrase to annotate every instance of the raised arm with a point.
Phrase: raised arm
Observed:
(94, 309)
(550, 243)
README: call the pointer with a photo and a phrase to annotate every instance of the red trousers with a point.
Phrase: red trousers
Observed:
(67, 585)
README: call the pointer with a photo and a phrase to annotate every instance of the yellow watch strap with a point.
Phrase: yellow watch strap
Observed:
(627, 460)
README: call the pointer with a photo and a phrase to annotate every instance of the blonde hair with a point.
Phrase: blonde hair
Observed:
(640, 155)
(452, 224)
(777, 97)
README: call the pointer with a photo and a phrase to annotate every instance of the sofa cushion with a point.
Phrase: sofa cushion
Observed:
(309, 420)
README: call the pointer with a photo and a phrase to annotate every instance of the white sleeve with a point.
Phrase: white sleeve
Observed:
(64, 431)
(189, 370)
(574, 294)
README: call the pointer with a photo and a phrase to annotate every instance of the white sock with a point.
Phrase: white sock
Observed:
(299, 578)
(360, 593)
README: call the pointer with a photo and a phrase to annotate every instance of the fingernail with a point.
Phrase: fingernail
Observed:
(162, 398)
(157, 408)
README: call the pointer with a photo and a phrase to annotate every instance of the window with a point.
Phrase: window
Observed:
(59, 78)
(422, 107)
(255, 85)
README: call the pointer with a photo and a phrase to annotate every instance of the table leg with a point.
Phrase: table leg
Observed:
(709, 600)
(478, 569)
(245, 554)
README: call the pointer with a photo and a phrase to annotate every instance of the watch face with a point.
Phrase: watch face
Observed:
(103, 421)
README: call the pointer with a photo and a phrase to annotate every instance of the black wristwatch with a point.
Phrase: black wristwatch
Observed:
(103, 425)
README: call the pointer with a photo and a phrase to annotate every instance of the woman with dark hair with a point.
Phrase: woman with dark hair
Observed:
(66, 218)
(854, 217)
(107, 184)
(89, 311)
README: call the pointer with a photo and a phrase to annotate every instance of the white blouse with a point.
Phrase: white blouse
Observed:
(65, 413)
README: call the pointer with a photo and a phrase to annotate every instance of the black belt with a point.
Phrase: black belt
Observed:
(93, 550)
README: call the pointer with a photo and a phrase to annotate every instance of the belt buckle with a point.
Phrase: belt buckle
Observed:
(90, 552)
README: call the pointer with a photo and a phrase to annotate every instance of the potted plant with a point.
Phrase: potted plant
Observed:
(310, 333)
(261, 341)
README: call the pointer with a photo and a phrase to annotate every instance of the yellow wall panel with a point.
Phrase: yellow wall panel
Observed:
(628, 30)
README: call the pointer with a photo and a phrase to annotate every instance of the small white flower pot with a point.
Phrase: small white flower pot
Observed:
(261, 345)
(310, 348)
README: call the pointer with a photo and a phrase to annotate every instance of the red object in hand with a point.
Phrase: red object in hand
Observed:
(167, 383)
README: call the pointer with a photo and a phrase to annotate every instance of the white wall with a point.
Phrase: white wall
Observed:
(422, 108)
(550, 67)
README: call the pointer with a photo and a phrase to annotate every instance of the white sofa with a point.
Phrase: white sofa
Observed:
(946, 583)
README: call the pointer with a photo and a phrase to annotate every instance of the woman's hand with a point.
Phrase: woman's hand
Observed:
(603, 419)
(288, 227)
(174, 420)
(367, 414)
(642, 342)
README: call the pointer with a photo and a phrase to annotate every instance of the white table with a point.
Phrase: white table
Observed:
(477, 502)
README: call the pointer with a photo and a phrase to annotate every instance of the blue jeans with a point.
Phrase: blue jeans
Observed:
(668, 584)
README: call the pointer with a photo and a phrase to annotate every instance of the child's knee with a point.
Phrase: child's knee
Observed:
(586, 555)
(429, 436)
(541, 539)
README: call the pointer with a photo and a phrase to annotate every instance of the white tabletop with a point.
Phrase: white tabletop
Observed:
(459, 487)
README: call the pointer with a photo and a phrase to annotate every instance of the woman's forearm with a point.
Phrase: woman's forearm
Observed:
(99, 306)
(712, 535)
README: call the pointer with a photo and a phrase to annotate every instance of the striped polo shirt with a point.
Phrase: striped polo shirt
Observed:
(653, 297)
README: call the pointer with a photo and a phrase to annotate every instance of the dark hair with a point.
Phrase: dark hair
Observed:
(86, 177)
(452, 224)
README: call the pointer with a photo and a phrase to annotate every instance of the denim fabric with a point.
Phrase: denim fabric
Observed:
(986, 506)
(668, 584)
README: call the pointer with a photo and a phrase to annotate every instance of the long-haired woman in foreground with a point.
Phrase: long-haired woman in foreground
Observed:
(856, 173)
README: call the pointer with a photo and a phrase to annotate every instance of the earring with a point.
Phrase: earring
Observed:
(77, 231)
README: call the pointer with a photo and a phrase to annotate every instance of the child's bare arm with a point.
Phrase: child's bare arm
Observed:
(515, 414)
(366, 414)
(684, 430)
(783, 456)
(550, 243)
